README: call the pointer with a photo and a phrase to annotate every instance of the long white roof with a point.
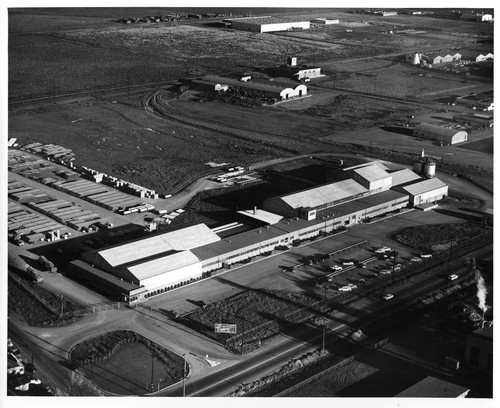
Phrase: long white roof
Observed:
(424, 186)
(159, 266)
(183, 239)
(322, 195)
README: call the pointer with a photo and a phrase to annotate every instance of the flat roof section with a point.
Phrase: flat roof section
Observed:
(262, 215)
(183, 239)
(163, 265)
(403, 176)
(326, 194)
(424, 186)
(432, 387)
(372, 173)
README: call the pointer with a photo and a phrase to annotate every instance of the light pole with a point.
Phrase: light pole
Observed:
(324, 319)
(152, 369)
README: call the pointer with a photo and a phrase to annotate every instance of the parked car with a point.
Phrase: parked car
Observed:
(452, 277)
(426, 256)
(383, 250)
(385, 271)
(388, 296)
(361, 265)
(348, 263)
(352, 286)
(397, 268)
(416, 259)
(336, 267)
(345, 288)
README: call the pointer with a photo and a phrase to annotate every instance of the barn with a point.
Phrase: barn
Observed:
(440, 134)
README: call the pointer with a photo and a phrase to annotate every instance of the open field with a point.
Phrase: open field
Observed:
(111, 132)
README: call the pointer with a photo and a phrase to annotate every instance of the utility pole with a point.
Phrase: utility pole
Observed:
(184, 377)
(242, 334)
(152, 369)
(324, 318)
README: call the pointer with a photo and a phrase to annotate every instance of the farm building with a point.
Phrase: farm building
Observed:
(325, 21)
(308, 73)
(207, 86)
(266, 24)
(432, 387)
(440, 134)
(476, 119)
(477, 17)
(476, 101)
(435, 58)
(426, 191)
(258, 89)
(476, 56)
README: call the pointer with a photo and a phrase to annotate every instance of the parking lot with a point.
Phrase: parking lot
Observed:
(268, 273)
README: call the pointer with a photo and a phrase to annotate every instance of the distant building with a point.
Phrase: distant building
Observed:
(479, 350)
(476, 119)
(436, 58)
(267, 24)
(255, 89)
(432, 387)
(440, 134)
(477, 17)
(476, 101)
(325, 21)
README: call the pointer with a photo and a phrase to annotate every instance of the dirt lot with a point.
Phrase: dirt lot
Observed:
(111, 132)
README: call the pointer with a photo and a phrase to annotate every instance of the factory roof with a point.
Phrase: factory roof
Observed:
(182, 239)
(363, 203)
(325, 194)
(372, 173)
(424, 186)
(434, 387)
(159, 266)
(370, 163)
(262, 215)
(403, 176)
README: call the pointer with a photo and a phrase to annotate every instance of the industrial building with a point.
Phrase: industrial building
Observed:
(475, 119)
(479, 350)
(440, 134)
(136, 270)
(250, 88)
(432, 387)
(267, 24)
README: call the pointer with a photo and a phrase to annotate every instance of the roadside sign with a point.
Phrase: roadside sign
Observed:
(225, 328)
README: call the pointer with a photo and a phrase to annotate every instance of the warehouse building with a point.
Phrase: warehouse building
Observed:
(258, 89)
(267, 24)
(440, 134)
(426, 191)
